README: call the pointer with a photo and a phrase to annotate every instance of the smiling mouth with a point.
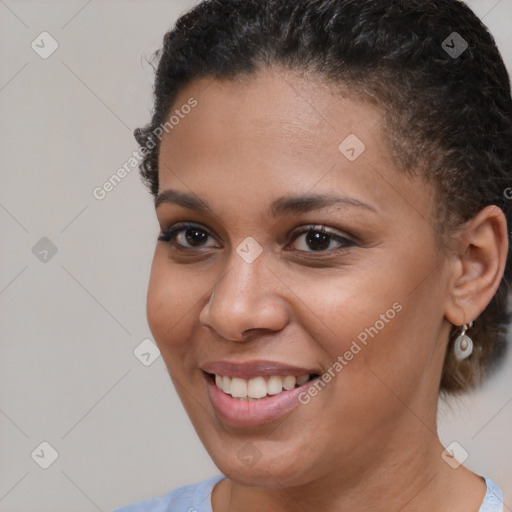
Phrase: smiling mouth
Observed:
(259, 388)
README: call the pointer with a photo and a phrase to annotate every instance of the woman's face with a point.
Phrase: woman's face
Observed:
(253, 291)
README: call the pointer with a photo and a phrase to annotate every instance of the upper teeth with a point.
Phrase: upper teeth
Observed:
(258, 387)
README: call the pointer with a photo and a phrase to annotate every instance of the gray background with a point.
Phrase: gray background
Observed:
(70, 321)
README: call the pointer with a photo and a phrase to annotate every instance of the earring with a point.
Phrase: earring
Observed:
(463, 346)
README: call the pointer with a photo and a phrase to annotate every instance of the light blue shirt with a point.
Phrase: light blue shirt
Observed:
(197, 498)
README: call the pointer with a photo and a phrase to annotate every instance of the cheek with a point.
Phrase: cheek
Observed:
(169, 301)
(158, 300)
(175, 298)
(375, 317)
(386, 342)
(358, 304)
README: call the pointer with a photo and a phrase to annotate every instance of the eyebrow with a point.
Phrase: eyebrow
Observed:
(280, 207)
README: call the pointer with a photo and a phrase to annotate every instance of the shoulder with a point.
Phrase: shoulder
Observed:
(188, 498)
(493, 500)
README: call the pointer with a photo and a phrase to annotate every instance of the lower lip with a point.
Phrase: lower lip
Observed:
(242, 413)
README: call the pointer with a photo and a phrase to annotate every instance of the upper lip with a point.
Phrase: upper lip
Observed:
(251, 369)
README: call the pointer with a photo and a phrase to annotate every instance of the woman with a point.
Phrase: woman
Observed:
(329, 181)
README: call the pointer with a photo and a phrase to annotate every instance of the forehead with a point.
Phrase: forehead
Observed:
(279, 132)
(280, 110)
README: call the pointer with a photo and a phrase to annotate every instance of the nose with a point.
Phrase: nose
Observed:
(245, 299)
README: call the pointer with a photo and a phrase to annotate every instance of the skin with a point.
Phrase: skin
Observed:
(368, 440)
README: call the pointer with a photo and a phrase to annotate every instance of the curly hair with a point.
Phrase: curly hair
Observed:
(448, 114)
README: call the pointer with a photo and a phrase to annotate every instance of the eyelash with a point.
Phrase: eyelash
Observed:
(169, 236)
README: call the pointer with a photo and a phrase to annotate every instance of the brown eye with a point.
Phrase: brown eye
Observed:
(317, 239)
(186, 236)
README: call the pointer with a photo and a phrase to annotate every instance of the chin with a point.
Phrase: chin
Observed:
(243, 464)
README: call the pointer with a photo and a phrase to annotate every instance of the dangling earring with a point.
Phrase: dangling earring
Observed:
(463, 346)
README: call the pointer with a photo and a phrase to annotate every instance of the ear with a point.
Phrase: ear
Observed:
(477, 266)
